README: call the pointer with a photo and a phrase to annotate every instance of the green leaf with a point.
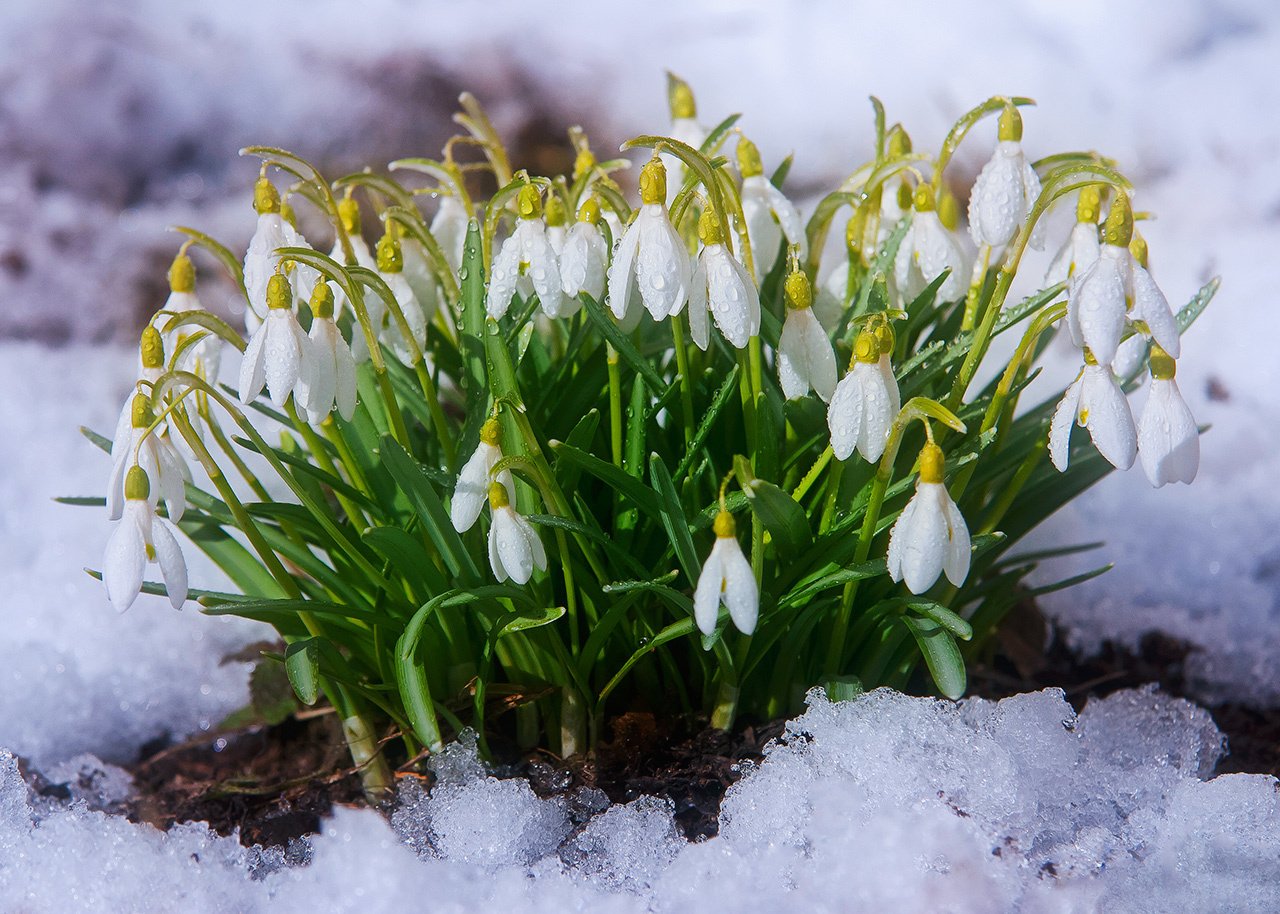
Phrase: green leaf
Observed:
(941, 655)
(1194, 308)
(620, 341)
(430, 510)
(781, 515)
(626, 485)
(673, 518)
(943, 616)
(302, 664)
(532, 619)
(723, 396)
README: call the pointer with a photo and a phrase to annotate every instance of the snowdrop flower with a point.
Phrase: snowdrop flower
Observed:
(514, 547)
(203, 357)
(449, 228)
(156, 455)
(1168, 439)
(726, 578)
(349, 215)
(768, 214)
(1081, 248)
(928, 249)
(418, 272)
(930, 536)
(685, 128)
(865, 402)
(829, 306)
(261, 261)
(473, 482)
(1116, 288)
(391, 269)
(652, 252)
(584, 260)
(556, 216)
(805, 356)
(1006, 189)
(1096, 402)
(279, 353)
(142, 537)
(724, 286)
(526, 259)
(333, 375)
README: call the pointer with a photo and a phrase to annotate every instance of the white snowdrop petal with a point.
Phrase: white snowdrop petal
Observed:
(662, 271)
(706, 596)
(449, 228)
(281, 357)
(936, 251)
(1064, 420)
(502, 279)
(959, 547)
(898, 537)
(472, 488)
(344, 365)
(844, 416)
(1099, 308)
(902, 262)
(173, 567)
(1150, 305)
(763, 231)
(699, 326)
(1129, 356)
(124, 561)
(513, 546)
(620, 272)
(173, 474)
(115, 484)
(740, 592)
(495, 556)
(252, 371)
(1168, 438)
(821, 357)
(925, 540)
(544, 268)
(1109, 419)
(793, 357)
(877, 418)
(890, 385)
(997, 204)
(535, 542)
(731, 296)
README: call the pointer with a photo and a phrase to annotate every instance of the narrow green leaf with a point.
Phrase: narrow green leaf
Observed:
(431, 512)
(302, 663)
(943, 616)
(610, 330)
(941, 655)
(781, 515)
(673, 518)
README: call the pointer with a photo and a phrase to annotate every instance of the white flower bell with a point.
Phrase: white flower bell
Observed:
(584, 262)
(722, 285)
(449, 228)
(1006, 188)
(526, 259)
(333, 376)
(514, 547)
(1082, 247)
(349, 214)
(156, 455)
(726, 578)
(1116, 288)
(928, 248)
(204, 356)
(769, 215)
(684, 127)
(391, 269)
(652, 252)
(805, 357)
(279, 353)
(472, 489)
(262, 261)
(865, 402)
(142, 537)
(1096, 402)
(930, 536)
(1168, 439)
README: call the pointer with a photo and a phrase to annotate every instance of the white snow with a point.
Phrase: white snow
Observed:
(883, 801)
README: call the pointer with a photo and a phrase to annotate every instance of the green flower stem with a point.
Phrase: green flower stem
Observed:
(354, 472)
(321, 454)
(615, 403)
(1010, 491)
(686, 383)
(814, 472)
(976, 283)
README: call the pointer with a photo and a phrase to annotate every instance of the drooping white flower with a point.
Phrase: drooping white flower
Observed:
(1082, 247)
(584, 262)
(391, 269)
(652, 253)
(685, 128)
(204, 356)
(1116, 288)
(156, 455)
(769, 215)
(1168, 439)
(805, 357)
(865, 403)
(1006, 188)
(279, 353)
(930, 535)
(722, 285)
(472, 489)
(928, 248)
(726, 578)
(421, 278)
(556, 217)
(449, 228)
(333, 374)
(514, 547)
(526, 259)
(142, 537)
(829, 304)
(1096, 402)
(262, 261)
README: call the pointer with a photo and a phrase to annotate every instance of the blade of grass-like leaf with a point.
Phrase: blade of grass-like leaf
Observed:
(673, 518)
(941, 655)
(431, 512)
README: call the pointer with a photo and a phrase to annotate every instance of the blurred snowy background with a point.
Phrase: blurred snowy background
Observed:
(119, 119)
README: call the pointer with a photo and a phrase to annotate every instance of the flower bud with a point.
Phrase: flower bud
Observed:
(140, 415)
(1138, 249)
(182, 274)
(498, 497)
(1119, 226)
(136, 484)
(590, 211)
(923, 199)
(556, 212)
(799, 291)
(724, 525)
(904, 196)
(855, 228)
(709, 228)
(885, 339)
(349, 215)
(322, 301)
(749, 159)
(583, 163)
(898, 142)
(933, 464)
(266, 199)
(680, 99)
(152, 347)
(489, 432)
(1163, 367)
(949, 210)
(1089, 206)
(390, 259)
(1010, 129)
(866, 348)
(653, 182)
(279, 292)
(529, 202)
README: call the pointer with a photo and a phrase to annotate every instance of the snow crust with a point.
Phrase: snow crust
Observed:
(885, 802)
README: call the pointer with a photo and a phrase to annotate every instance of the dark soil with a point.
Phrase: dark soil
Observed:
(276, 783)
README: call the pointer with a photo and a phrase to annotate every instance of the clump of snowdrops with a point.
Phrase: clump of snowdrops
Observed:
(550, 454)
